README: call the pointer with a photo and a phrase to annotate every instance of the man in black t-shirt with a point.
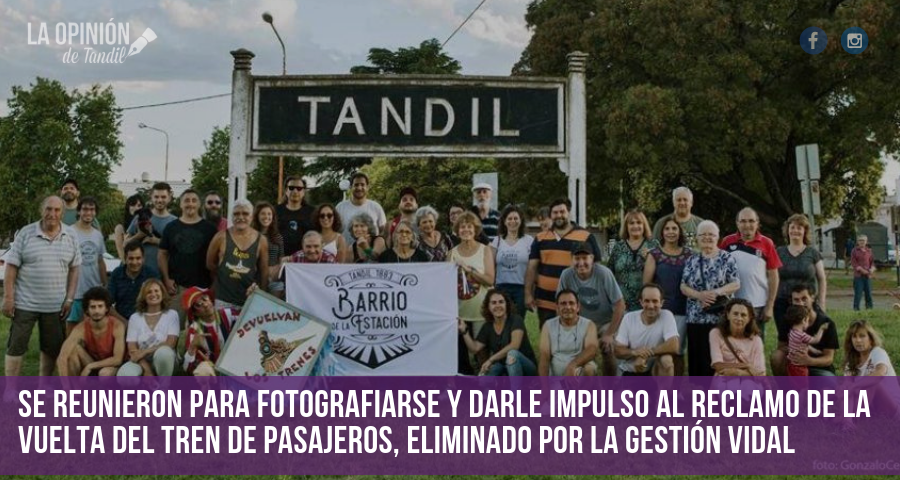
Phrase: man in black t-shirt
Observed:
(294, 215)
(819, 365)
(182, 249)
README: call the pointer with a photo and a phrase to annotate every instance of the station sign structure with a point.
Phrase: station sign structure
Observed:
(409, 116)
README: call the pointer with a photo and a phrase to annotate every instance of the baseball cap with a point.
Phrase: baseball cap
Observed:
(409, 191)
(582, 247)
(483, 185)
(190, 296)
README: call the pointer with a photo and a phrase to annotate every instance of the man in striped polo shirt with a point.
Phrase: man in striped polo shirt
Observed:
(551, 253)
(41, 276)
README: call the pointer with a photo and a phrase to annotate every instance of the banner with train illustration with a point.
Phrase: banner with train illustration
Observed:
(272, 337)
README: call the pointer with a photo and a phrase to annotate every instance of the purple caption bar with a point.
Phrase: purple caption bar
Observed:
(406, 425)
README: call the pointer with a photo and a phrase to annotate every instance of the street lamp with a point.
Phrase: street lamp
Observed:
(267, 17)
(144, 125)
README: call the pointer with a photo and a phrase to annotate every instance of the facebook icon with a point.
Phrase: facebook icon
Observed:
(813, 40)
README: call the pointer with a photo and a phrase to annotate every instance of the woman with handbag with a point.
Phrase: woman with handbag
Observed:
(735, 345)
(709, 279)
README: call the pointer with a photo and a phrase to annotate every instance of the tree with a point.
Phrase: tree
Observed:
(718, 95)
(210, 171)
(428, 58)
(51, 134)
(438, 181)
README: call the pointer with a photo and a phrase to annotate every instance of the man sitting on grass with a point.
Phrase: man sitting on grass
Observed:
(95, 347)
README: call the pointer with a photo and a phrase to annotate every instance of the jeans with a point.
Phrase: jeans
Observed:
(521, 366)
(516, 293)
(862, 285)
(162, 360)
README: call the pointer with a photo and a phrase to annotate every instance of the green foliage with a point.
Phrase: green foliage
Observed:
(51, 134)
(210, 171)
(262, 183)
(717, 96)
(427, 58)
(438, 181)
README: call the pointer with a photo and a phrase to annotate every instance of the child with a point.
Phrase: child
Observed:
(799, 342)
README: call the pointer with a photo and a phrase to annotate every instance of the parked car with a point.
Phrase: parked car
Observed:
(111, 263)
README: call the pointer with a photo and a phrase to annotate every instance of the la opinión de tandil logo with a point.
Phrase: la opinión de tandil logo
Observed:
(101, 42)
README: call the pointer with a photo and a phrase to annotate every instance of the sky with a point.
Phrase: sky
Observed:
(190, 56)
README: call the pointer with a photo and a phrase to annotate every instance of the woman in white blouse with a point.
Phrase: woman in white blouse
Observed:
(152, 334)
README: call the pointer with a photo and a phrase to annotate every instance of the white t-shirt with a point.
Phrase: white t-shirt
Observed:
(876, 356)
(634, 334)
(512, 260)
(347, 210)
(140, 333)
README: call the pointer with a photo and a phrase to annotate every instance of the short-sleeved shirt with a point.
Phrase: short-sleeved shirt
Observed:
(750, 350)
(555, 255)
(489, 224)
(293, 224)
(159, 227)
(347, 210)
(829, 340)
(628, 267)
(495, 342)
(124, 290)
(689, 228)
(669, 270)
(701, 274)
(512, 260)
(878, 356)
(753, 259)
(44, 265)
(92, 248)
(566, 343)
(597, 295)
(145, 337)
(798, 341)
(187, 245)
(797, 270)
(634, 333)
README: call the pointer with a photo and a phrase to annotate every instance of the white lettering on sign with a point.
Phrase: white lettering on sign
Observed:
(475, 117)
(313, 110)
(349, 114)
(497, 131)
(429, 126)
(403, 123)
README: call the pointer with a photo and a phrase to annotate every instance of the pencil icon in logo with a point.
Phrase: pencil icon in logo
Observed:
(139, 44)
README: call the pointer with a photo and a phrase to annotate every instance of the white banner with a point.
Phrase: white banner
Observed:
(390, 319)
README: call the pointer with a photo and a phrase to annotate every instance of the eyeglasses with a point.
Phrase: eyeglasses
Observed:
(213, 202)
(404, 232)
(326, 215)
(296, 188)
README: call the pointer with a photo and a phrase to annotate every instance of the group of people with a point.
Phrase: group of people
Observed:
(667, 294)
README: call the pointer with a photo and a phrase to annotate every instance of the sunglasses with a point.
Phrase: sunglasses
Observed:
(213, 202)
(296, 188)
(326, 215)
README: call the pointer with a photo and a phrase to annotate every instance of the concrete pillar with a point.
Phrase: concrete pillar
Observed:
(576, 137)
(241, 93)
